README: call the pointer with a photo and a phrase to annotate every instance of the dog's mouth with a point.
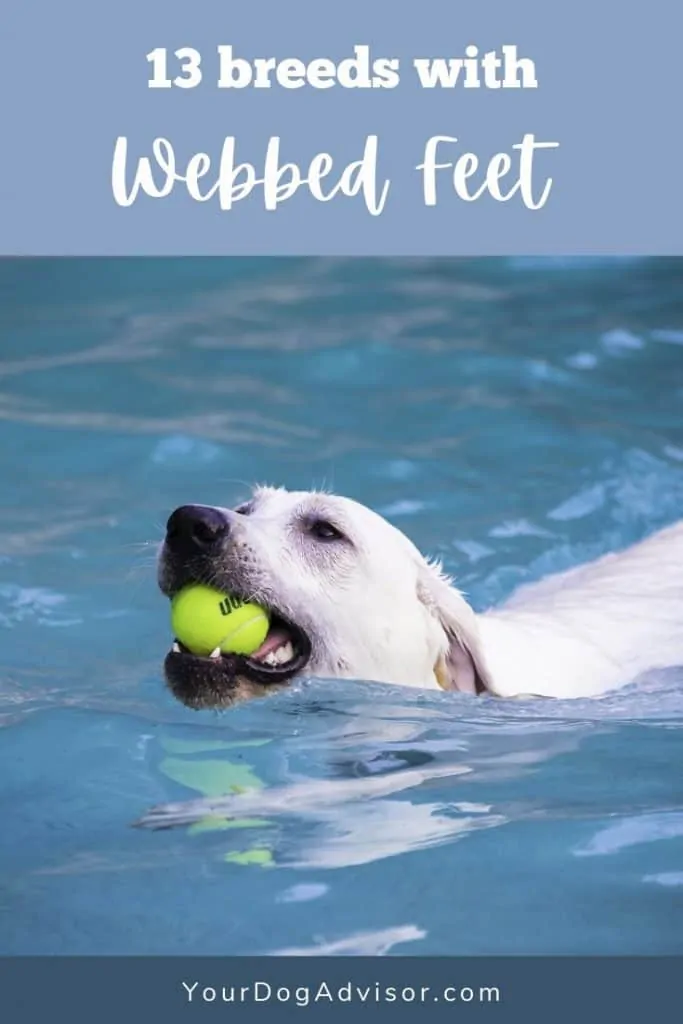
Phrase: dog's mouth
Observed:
(219, 679)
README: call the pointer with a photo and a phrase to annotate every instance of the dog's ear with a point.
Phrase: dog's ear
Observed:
(460, 662)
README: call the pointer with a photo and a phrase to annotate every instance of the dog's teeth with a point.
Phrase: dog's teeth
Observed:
(216, 653)
(176, 647)
(280, 656)
(285, 653)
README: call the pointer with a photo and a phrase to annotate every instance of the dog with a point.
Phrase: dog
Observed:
(350, 596)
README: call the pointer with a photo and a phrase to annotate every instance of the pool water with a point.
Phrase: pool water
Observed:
(514, 417)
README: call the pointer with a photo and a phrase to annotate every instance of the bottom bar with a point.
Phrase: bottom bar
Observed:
(529, 989)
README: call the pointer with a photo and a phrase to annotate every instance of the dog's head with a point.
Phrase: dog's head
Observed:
(349, 595)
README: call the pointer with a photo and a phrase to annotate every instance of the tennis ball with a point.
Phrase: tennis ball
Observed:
(204, 619)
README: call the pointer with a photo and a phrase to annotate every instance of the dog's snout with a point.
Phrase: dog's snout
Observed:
(196, 528)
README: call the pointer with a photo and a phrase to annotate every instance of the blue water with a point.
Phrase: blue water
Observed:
(513, 417)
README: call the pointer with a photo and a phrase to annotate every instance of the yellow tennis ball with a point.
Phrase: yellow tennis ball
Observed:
(204, 619)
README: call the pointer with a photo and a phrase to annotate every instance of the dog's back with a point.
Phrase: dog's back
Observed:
(593, 628)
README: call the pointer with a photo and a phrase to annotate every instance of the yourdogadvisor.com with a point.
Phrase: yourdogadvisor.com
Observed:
(348, 992)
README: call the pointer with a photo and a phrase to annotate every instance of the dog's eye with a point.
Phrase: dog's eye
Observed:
(245, 509)
(321, 529)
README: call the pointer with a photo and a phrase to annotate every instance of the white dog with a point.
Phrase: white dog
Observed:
(350, 596)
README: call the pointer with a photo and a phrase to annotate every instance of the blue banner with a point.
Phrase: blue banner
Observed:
(442, 128)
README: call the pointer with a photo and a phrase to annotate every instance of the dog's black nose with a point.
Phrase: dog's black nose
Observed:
(196, 528)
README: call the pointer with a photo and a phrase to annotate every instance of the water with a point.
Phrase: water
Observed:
(514, 417)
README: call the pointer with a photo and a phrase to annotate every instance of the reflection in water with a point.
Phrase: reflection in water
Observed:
(646, 828)
(361, 944)
(389, 798)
